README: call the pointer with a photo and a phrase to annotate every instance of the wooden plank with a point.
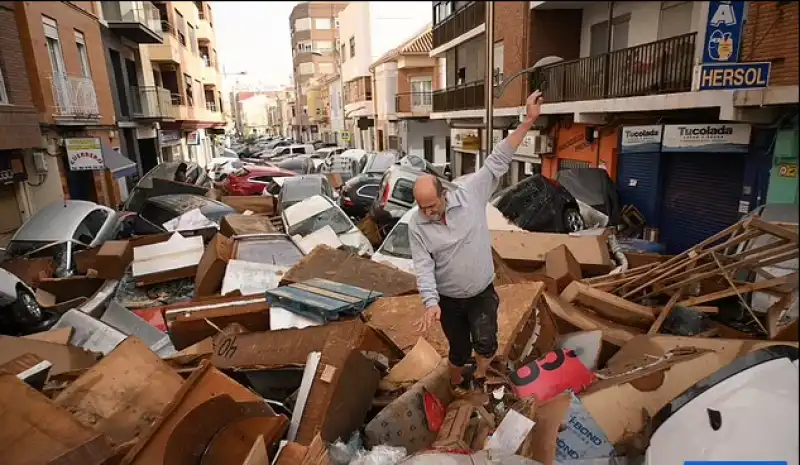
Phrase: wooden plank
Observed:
(665, 312)
(56, 336)
(122, 394)
(774, 229)
(258, 453)
(694, 301)
(612, 332)
(775, 312)
(608, 305)
(326, 293)
(628, 274)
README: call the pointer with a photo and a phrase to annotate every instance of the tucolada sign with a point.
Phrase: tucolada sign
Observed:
(641, 139)
(721, 138)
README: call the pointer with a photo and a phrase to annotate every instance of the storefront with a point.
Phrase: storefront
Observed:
(12, 172)
(582, 146)
(783, 186)
(466, 145)
(526, 162)
(686, 180)
(171, 148)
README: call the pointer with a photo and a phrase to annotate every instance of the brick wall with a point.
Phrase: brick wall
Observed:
(19, 122)
(510, 20)
(69, 18)
(770, 34)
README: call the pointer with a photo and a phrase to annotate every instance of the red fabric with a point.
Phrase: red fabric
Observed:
(434, 411)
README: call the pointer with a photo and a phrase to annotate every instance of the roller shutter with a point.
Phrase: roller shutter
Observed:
(701, 197)
(638, 183)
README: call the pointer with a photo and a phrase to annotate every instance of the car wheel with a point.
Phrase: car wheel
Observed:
(573, 221)
(26, 308)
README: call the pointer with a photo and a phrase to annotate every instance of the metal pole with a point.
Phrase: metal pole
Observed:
(488, 85)
(609, 43)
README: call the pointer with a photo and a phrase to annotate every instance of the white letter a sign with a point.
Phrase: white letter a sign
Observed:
(724, 15)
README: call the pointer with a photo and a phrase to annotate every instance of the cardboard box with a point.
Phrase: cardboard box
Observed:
(112, 259)
(255, 203)
(188, 322)
(211, 268)
(527, 250)
(165, 261)
(561, 265)
(235, 225)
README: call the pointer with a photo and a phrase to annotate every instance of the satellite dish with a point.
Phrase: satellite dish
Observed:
(546, 61)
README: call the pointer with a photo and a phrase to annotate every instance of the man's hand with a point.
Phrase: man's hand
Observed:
(533, 105)
(430, 316)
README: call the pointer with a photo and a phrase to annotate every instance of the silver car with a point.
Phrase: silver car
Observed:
(62, 228)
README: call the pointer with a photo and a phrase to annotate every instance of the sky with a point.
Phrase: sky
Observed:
(254, 37)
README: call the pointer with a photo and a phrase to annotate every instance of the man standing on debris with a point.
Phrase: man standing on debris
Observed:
(452, 251)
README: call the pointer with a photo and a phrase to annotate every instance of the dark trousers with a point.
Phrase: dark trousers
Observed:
(470, 323)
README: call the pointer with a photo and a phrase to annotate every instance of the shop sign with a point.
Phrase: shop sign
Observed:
(169, 136)
(6, 177)
(723, 37)
(193, 138)
(641, 139)
(497, 137)
(787, 170)
(735, 76)
(85, 154)
(465, 139)
(719, 138)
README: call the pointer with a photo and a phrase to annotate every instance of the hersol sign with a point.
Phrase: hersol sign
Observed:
(85, 154)
(721, 138)
(641, 139)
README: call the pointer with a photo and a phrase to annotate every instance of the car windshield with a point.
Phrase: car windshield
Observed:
(379, 163)
(20, 248)
(277, 250)
(321, 155)
(397, 244)
(334, 217)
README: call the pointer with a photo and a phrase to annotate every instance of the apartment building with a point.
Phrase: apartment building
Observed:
(186, 65)
(337, 112)
(286, 103)
(138, 109)
(260, 113)
(358, 48)
(314, 55)
(19, 127)
(405, 79)
(71, 90)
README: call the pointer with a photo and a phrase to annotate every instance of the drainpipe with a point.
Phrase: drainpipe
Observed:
(607, 60)
(376, 142)
(488, 90)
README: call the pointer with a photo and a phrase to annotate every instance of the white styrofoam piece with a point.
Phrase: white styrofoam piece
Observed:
(189, 221)
(585, 344)
(322, 236)
(90, 333)
(310, 371)
(250, 277)
(173, 254)
(280, 318)
(511, 433)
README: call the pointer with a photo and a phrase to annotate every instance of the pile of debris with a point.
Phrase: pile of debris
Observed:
(315, 360)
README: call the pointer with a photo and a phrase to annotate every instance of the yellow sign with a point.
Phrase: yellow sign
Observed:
(345, 135)
(787, 171)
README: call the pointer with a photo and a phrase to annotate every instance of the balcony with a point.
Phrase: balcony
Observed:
(413, 104)
(212, 107)
(204, 30)
(467, 96)
(661, 67)
(463, 20)
(75, 98)
(209, 75)
(170, 49)
(152, 103)
(139, 22)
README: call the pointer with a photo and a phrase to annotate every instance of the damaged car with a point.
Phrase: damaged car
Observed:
(321, 217)
(20, 313)
(540, 204)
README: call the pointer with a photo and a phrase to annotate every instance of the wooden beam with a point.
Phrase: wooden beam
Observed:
(694, 301)
(665, 313)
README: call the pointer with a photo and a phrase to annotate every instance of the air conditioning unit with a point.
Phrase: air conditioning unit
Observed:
(542, 144)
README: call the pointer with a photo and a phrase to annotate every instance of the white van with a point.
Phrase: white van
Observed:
(396, 248)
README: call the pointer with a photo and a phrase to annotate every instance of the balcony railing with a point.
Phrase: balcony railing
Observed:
(463, 20)
(74, 96)
(151, 102)
(467, 96)
(211, 106)
(176, 99)
(414, 102)
(133, 13)
(660, 67)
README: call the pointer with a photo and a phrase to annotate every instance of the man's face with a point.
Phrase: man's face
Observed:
(432, 208)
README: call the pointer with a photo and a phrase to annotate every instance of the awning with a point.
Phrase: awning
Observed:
(116, 163)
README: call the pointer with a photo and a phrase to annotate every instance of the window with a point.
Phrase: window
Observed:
(676, 19)
(181, 26)
(304, 47)
(53, 46)
(369, 191)
(325, 68)
(441, 11)
(323, 45)
(352, 47)
(189, 91)
(83, 55)
(421, 89)
(302, 24)
(192, 40)
(322, 23)
(404, 191)
(306, 68)
(619, 35)
(301, 150)
(3, 91)
(91, 225)
(498, 63)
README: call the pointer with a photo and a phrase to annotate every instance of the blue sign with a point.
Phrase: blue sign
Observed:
(723, 32)
(735, 76)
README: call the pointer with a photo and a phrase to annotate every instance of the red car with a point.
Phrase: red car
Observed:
(252, 179)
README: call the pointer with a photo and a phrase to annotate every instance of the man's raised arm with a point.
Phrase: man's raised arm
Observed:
(485, 181)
